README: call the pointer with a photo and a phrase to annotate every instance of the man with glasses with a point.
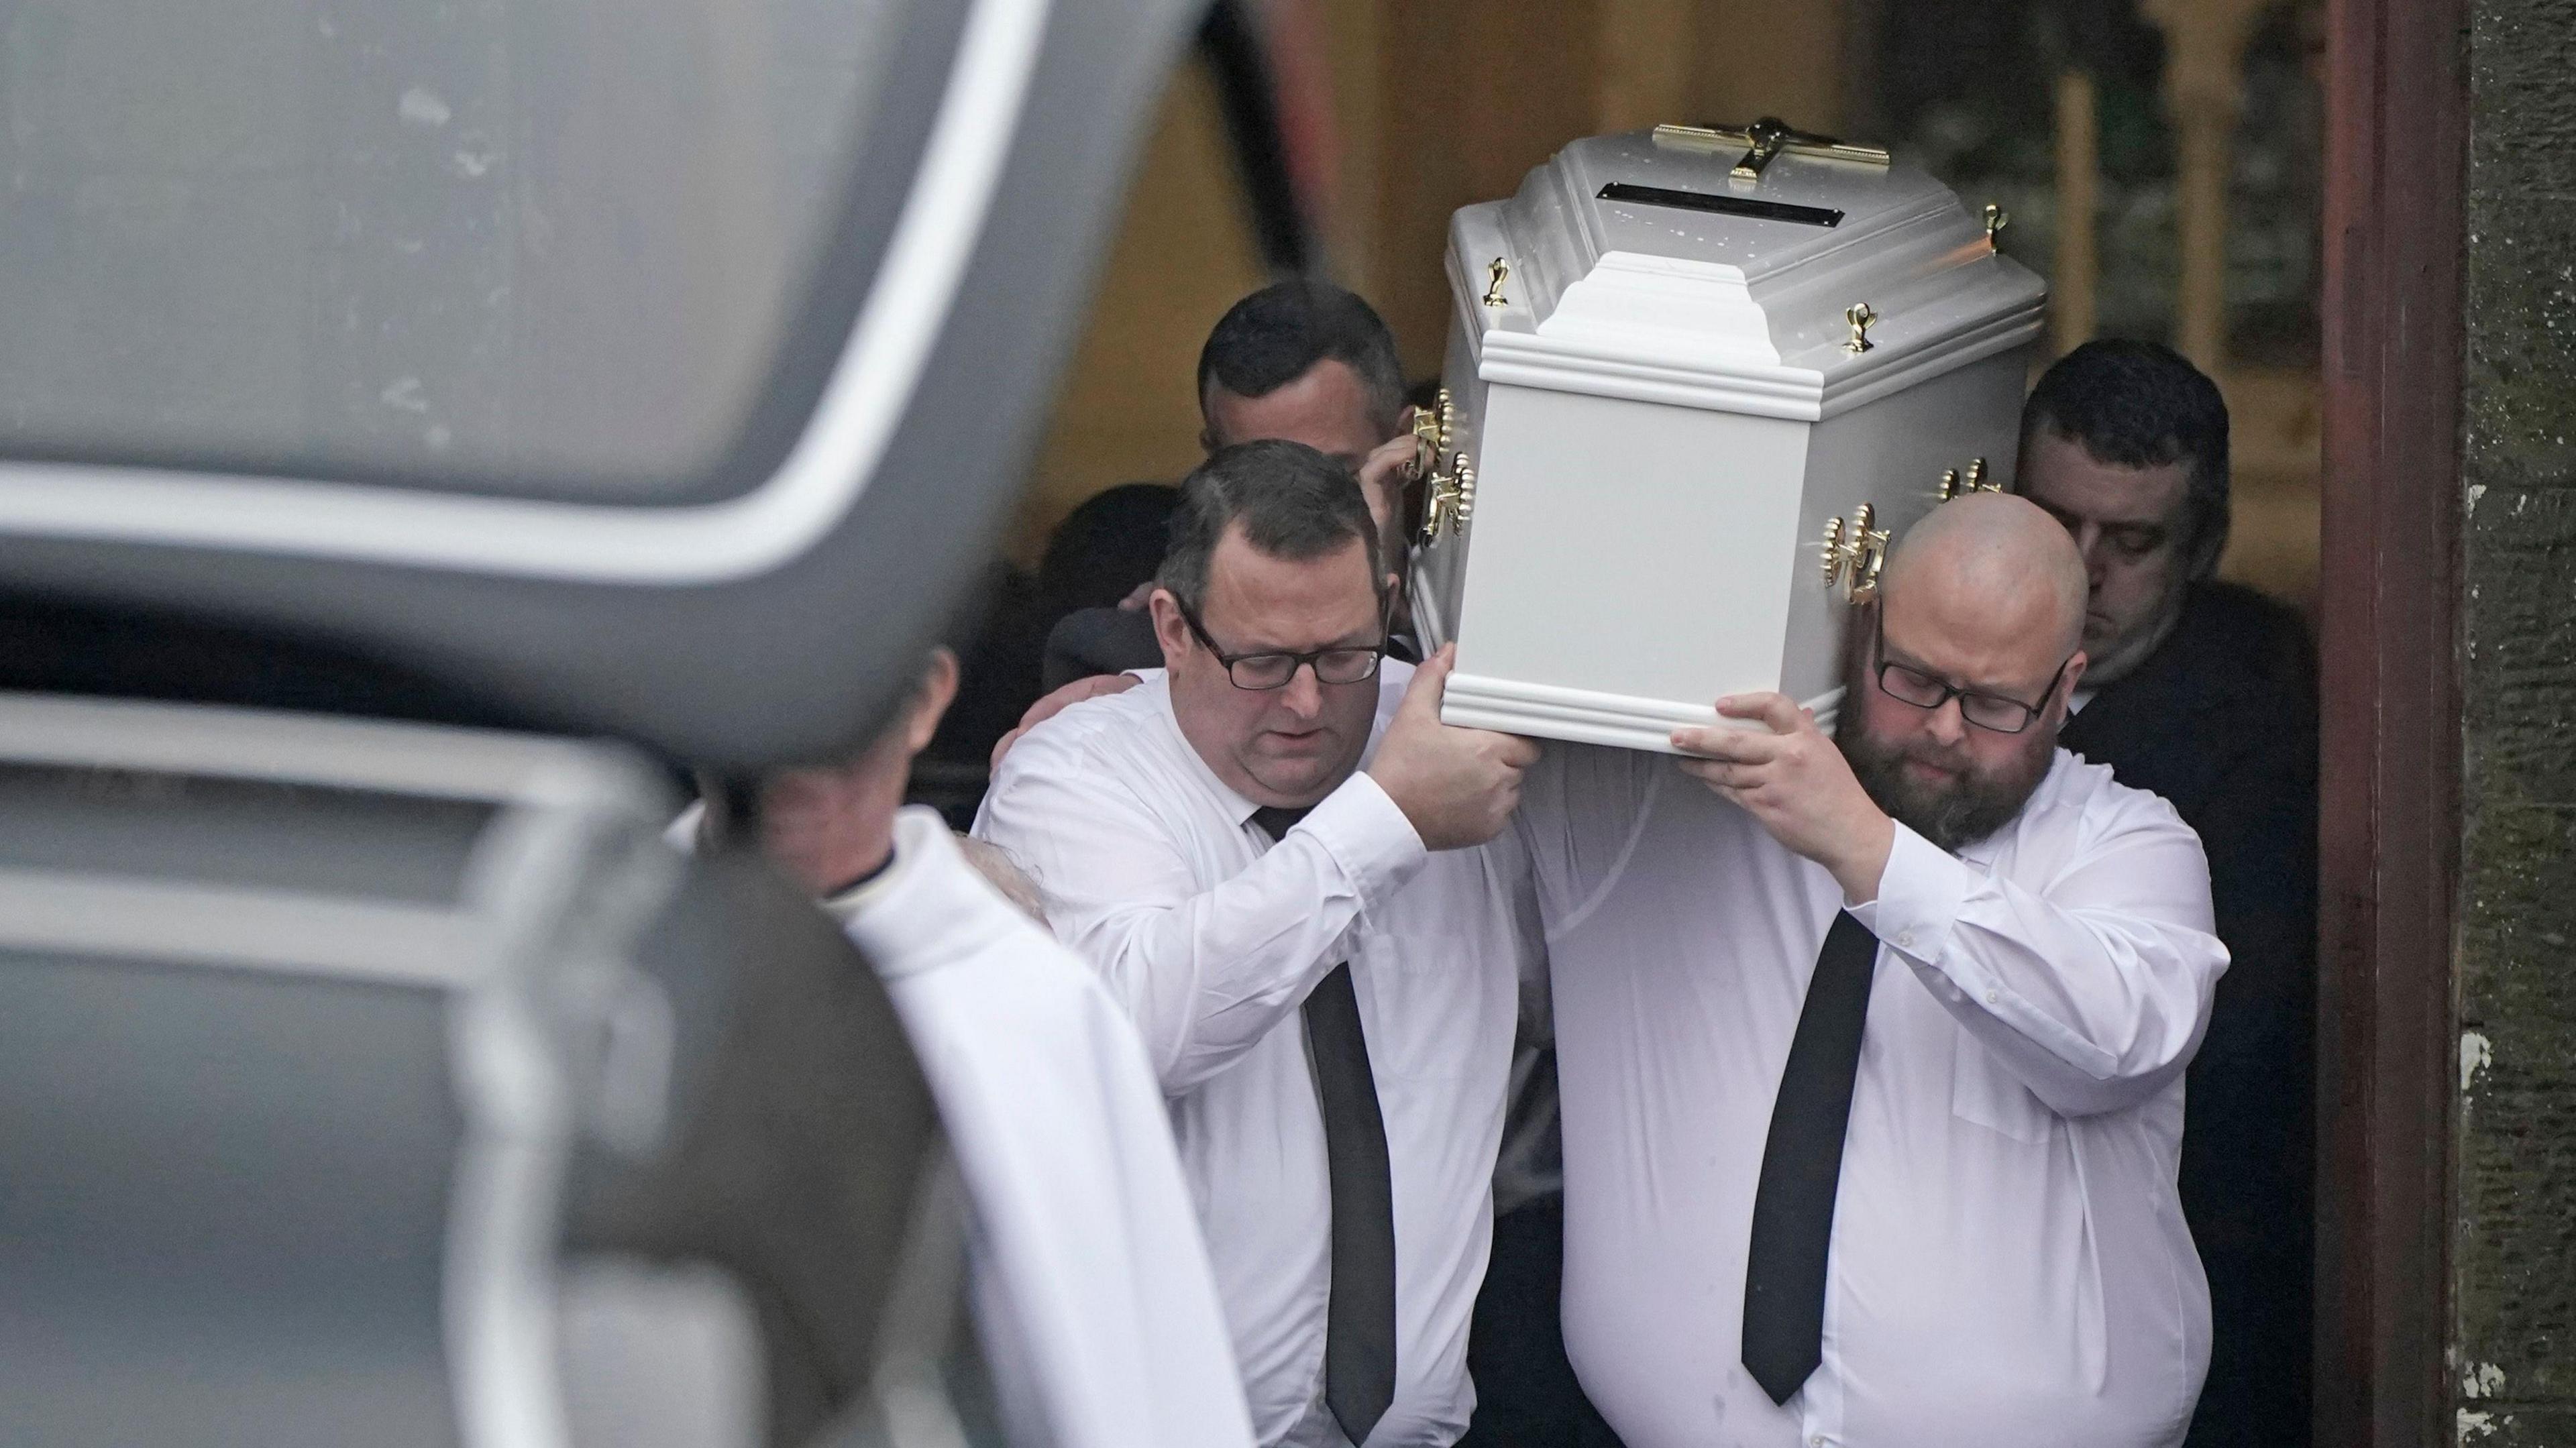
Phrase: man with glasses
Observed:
(1276, 856)
(1311, 362)
(1872, 1056)
(1303, 360)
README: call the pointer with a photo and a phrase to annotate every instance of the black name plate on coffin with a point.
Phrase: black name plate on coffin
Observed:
(1724, 205)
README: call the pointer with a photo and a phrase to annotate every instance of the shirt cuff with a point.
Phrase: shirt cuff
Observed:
(1918, 898)
(1360, 826)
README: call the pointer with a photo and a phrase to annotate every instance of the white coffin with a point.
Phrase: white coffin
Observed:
(1658, 410)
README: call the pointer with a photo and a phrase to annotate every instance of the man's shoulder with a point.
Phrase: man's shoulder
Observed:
(2232, 613)
(2247, 610)
(1092, 641)
(1023, 963)
(1098, 742)
(2233, 640)
(1009, 1004)
(2233, 688)
(2098, 803)
(1104, 721)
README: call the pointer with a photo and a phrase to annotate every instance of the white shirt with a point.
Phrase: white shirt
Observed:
(1212, 939)
(1085, 1238)
(2009, 1262)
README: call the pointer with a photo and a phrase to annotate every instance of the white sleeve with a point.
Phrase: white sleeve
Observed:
(2093, 991)
(1204, 974)
(1092, 1279)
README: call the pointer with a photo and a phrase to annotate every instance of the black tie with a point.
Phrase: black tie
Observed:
(1802, 1162)
(1359, 1315)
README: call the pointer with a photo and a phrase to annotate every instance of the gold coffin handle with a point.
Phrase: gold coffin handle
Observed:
(1954, 485)
(1452, 504)
(1854, 552)
(1431, 434)
(1766, 139)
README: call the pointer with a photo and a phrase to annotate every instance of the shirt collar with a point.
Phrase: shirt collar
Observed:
(929, 909)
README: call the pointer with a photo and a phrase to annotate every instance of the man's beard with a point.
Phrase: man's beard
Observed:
(1973, 805)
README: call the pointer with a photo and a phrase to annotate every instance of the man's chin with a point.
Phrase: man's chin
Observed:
(1957, 809)
(1293, 782)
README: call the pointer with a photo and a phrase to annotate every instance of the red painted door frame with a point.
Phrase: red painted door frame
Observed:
(2397, 128)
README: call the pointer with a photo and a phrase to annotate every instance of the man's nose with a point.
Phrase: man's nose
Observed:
(1948, 724)
(1303, 694)
(2088, 543)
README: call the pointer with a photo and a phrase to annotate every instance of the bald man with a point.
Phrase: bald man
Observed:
(1872, 1046)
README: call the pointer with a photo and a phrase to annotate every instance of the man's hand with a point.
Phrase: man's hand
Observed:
(1390, 468)
(1056, 703)
(1458, 787)
(1797, 783)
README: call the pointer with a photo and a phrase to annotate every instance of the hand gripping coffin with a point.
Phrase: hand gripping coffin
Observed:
(1697, 379)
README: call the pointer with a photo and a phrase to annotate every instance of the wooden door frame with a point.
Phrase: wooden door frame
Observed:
(2395, 167)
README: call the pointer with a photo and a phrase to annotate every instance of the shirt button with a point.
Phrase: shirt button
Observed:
(1818, 1441)
(1993, 996)
(1904, 941)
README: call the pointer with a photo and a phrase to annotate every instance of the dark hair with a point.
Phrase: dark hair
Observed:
(2140, 405)
(1277, 334)
(1292, 502)
(1106, 546)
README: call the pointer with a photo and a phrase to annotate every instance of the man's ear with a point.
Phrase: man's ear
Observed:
(1212, 399)
(930, 700)
(1170, 629)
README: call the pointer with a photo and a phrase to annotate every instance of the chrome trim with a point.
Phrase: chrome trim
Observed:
(296, 748)
(281, 931)
(830, 465)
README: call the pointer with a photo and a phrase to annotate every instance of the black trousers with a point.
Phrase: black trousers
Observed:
(1526, 1395)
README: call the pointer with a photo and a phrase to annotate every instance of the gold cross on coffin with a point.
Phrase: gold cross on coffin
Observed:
(1767, 138)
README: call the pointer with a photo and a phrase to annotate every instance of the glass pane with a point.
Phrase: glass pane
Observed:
(524, 246)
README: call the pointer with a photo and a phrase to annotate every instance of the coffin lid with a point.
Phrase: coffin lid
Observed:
(1643, 298)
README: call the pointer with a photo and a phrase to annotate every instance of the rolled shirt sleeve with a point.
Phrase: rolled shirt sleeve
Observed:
(2093, 991)
(1204, 974)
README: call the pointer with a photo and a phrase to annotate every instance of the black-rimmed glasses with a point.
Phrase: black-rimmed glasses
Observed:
(1995, 713)
(1260, 672)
